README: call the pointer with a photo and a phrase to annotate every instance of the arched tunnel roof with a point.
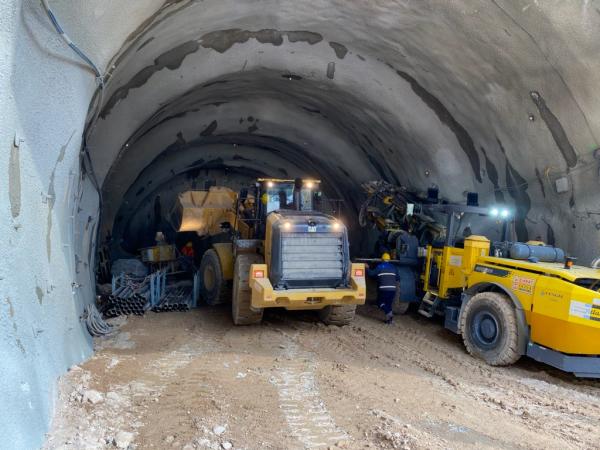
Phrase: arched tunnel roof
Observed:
(494, 97)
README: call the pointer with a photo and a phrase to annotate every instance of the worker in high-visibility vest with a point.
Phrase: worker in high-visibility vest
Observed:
(387, 284)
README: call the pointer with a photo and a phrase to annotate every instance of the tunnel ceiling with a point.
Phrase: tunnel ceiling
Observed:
(496, 97)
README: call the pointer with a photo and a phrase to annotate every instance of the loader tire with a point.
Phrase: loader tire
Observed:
(241, 311)
(489, 329)
(399, 307)
(337, 315)
(213, 288)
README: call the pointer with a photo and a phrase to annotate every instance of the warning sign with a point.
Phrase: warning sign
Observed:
(584, 310)
(523, 284)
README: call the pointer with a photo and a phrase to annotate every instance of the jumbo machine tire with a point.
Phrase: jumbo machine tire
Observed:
(337, 315)
(399, 307)
(489, 329)
(213, 288)
(241, 311)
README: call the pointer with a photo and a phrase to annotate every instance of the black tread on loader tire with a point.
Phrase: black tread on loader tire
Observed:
(213, 288)
(241, 311)
(399, 307)
(489, 329)
(337, 315)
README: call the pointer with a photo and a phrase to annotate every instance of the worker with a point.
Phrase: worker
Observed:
(387, 284)
(188, 250)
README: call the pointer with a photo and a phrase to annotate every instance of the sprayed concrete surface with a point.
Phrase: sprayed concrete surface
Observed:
(497, 97)
(194, 381)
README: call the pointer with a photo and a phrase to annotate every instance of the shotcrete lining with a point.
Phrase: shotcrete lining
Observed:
(411, 96)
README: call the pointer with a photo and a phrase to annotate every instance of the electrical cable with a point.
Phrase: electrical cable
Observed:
(96, 326)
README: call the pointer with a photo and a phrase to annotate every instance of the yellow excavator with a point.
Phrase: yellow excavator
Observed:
(271, 247)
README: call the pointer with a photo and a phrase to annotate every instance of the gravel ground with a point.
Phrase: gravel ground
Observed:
(194, 381)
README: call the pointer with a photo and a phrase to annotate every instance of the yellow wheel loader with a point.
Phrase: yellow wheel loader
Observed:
(270, 247)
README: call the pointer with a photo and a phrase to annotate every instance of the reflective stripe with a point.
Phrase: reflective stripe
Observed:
(387, 287)
(386, 273)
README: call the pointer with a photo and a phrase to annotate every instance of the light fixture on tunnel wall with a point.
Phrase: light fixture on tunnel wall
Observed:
(309, 185)
(287, 226)
(336, 225)
(531, 118)
(270, 184)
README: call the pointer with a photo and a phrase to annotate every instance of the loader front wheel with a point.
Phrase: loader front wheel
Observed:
(214, 289)
(489, 329)
(337, 315)
(241, 310)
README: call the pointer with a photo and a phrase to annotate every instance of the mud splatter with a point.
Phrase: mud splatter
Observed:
(492, 173)
(14, 182)
(340, 50)
(40, 294)
(331, 70)
(517, 188)
(210, 129)
(463, 137)
(52, 196)
(223, 40)
(541, 181)
(171, 59)
(556, 129)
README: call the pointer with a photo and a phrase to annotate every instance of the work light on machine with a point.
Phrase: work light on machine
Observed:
(336, 225)
(503, 213)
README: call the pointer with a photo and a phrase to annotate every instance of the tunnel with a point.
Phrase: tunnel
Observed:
(497, 98)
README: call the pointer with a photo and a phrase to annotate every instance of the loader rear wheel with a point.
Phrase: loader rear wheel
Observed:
(213, 288)
(241, 310)
(489, 329)
(337, 315)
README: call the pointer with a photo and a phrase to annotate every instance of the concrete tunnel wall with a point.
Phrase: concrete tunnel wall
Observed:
(496, 97)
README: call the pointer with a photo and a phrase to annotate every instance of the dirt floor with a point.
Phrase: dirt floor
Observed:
(193, 381)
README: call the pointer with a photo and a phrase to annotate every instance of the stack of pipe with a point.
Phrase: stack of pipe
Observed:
(175, 299)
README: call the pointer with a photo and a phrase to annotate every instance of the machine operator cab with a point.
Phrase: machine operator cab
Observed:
(445, 253)
(301, 195)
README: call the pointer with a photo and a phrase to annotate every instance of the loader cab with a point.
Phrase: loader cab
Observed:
(298, 194)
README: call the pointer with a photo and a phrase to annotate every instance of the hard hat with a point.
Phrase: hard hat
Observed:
(386, 256)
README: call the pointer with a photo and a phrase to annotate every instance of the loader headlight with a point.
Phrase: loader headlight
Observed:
(287, 225)
(505, 213)
(494, 212)
(336, 226)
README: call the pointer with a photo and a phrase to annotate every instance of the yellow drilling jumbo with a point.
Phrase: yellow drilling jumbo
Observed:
(506, 299)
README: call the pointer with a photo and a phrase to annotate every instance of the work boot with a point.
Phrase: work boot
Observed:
(389, 319)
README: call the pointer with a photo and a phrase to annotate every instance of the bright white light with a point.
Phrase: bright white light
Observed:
(270, 184)
(505, 213)
(287, 225)
(494, 212)
(309, 184)
(337, 225)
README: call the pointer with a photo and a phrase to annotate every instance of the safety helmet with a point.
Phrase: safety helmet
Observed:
(386, 256)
